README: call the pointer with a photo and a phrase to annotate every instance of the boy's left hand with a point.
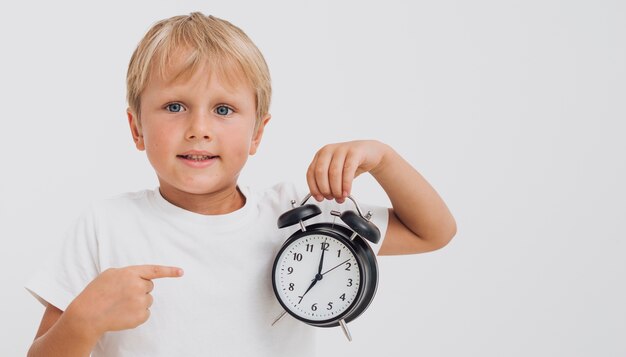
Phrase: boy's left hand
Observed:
(335, 166)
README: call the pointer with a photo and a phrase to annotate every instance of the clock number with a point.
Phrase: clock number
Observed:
(297, 256)
(291, 287)
(349, 282)
(348, 267)
(343, 297)
(309, 247)
(289, 270)
(339, 253)
(314, 307)
(330, 306)
(325, 246)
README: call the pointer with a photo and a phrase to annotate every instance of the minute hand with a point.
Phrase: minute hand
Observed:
(336, 266)
(319, 269)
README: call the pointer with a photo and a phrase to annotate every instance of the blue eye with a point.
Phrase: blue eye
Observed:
(174, 107)
(223, 110)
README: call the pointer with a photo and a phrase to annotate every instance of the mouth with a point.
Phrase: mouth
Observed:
(197, 157)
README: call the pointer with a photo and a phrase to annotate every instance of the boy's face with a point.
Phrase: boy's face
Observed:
(197, 132)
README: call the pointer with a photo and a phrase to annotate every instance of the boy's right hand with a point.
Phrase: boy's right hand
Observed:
(118, 298)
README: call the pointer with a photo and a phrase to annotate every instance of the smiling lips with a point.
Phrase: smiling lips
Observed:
(198, 159)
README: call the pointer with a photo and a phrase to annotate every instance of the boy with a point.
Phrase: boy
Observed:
(198, 94)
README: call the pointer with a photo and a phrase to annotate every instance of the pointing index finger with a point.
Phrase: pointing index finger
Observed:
(158, 271)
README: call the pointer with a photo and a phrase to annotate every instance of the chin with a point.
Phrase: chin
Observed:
(205, 188)
(198, 185)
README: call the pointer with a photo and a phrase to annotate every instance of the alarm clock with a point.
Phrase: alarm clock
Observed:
(325, 274)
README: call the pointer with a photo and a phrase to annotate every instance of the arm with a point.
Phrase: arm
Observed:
(117, 299)
(419, 220)
(60, 334)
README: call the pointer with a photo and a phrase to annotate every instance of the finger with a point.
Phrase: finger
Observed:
(149, 301)
(310, 179)
(149, 286)
(158, 271)
(335, 174)
(350, 166)
(146, 316)
(320, 172)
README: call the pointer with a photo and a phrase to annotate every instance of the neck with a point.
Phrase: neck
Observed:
(214, 203)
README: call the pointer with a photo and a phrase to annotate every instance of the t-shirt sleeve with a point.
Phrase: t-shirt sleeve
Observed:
(75, 265)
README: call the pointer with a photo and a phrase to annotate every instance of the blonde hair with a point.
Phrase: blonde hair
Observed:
(227, 49)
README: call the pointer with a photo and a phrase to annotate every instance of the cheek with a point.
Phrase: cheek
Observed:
(243, 139)
(156, 141)
(242, 149)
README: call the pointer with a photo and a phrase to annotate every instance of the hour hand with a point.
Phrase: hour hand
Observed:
(313, 282)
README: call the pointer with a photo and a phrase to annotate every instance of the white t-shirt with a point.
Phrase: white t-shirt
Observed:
(224, 304)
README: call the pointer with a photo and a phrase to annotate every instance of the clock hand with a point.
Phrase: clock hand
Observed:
(336, 266)
(313, 282)
(319, 270)
(318, 276)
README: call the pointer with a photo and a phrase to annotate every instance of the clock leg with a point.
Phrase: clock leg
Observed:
(279, 317)
(346, 332)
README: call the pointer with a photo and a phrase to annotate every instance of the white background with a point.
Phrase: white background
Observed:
(513, 110)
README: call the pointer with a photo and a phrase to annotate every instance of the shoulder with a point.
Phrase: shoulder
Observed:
(123, 202)
(124, 199)
(276, 198)
(279, 194)
(120, 207)
(283, 191)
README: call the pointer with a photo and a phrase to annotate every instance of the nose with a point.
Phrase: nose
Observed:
(199, 127)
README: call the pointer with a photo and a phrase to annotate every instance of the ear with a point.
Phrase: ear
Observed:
(135, 130)
(256, 139)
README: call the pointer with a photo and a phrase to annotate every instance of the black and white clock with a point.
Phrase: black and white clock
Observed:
(325, 274)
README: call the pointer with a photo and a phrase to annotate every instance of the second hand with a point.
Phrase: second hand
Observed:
(336, 266)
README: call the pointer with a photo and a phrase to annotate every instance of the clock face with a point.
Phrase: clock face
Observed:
(317, 277)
